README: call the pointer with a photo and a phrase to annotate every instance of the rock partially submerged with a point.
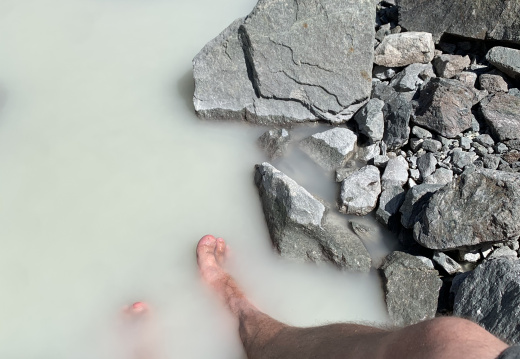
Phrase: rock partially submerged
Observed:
(331, 149)
(490, 296)
(299, 224)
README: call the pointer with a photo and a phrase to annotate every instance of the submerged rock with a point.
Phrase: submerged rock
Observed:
(481, 206)
(274, 142)
(300, 226)
(490, 296)
(411, 288)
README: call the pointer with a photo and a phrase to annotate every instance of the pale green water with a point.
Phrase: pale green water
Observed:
(108, 179)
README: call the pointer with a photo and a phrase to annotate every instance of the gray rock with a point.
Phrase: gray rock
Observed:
(390, 201)
(445, 107)
(490, 296)
(505, 59)
(514, 92)
(415, 144)
(396, 173)
(360, 191)
(307, 50)
(300, 226)
(441, 176)
(447, 263)
(492, 83)
(409, 78)
(404, 49)
(415, 201)
(465, 143)
(485, 140)
(342, 173)
(468, 78)
(503, 252)
(430, 145)
(485, 19)
(491, 161)
(274, 142)
(383, 73)
(449, 66)
(366, 153)
(502, 114)
(461, 159)
(223, 89)
(421, 132)
(461, 214)
(426, 164)
(381, 161)
(370, 120)
(331, 149)
(411, 288)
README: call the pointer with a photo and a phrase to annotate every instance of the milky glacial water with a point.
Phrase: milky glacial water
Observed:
(108, 179)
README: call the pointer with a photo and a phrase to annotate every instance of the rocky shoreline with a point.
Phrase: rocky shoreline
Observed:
(424, 111)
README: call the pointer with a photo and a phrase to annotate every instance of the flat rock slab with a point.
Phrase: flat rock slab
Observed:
(300, 226)
(411, 288)
(502, 114)
(483, 19)
(506, 60)
(461, 214)
(490, 296)
(308, 51)
(405, 48)
(360, 191)
(445, 107)
(223, 90)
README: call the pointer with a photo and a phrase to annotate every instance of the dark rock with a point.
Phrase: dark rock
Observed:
(430, 145)
(223, 90)
(490, 296)
(426, 164)
(274, 142)
(360, 191)
(383, 72)
(331, 149)
(502, 114)
(300, 226)
(461, 214)
(415, 201)
(445, 107)
(307, 51)
(421, 132)
(485, 19)
(411, 289)
(505, 59)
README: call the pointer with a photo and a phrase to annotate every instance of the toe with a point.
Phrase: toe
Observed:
(220, 250)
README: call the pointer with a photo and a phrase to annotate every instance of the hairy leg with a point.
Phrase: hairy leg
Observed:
(264, 337)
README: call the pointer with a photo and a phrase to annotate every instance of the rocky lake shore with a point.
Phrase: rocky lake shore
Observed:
(422, 100)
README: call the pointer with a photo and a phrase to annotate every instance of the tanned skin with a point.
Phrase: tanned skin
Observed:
(264, 337)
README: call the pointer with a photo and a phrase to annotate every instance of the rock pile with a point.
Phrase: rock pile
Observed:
(429, 143)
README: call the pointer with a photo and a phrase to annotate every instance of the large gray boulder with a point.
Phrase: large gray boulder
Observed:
(411, 288)
(360, 191)
(300, 226)
(483, 19)
(490, 296)
(316, 53)
(445, 107)
(506, 60)
(481, 206)
(331, 149)
(223, 90)
(502, 113)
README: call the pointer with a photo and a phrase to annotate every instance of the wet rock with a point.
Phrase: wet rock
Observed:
(274, 142)
(447, 263)
(445, 107)
(306, 51)
(502, 114)
(486, 19)
(426, 164)
(449, 66)
(490, 296)
(506, 59)
(492, 83)
(300, 226)
(411, 288)
(461, 214)
(409, 78)
(415, 201)
(390, 201)
(396, 173)
(404, 49)
(360, 191)
(370, 120)
(331, 149)
(223, 90)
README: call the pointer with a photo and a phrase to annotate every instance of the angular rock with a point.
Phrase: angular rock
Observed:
(504, 252)
(307, 50)
(506, 59)
(421, 132)
(491, 161)
(360, 191)
(484, 19)
(383, 72)
(404, 49)
(396, 173)
(274, 142)
(415, 201)
(447, 263)
(430, 145)
(445, 107)
(342, 173)
(492, 83)
(426, 164)
(411, 289)
(441, 176)
(390, 201)
(490, 296)
(299, 224)
(449, 66)
(370, 120)
(461, 159)
(366, 153)
(331, 149)
(461, 214)
(223, 89)
(409, 79)
(502, 114)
